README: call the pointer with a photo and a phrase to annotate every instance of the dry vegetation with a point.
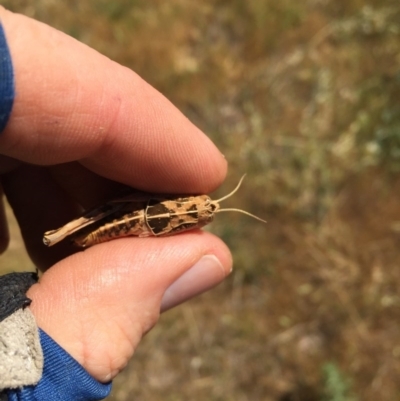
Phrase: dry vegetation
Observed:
(304, 97)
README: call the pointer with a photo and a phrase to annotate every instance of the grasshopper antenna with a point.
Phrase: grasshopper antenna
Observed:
(233, 192)
(235, 210)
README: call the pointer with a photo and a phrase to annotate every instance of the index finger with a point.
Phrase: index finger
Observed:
(73, 103)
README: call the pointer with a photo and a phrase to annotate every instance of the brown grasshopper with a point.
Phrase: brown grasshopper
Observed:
(142, 215)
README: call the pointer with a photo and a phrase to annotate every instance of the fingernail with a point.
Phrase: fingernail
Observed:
(204, 275)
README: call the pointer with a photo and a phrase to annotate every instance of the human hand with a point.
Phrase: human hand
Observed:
(81, 128)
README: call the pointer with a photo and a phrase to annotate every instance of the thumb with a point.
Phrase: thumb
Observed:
(97, 304)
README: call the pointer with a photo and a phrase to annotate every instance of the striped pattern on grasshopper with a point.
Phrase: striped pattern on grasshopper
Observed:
(141, 215)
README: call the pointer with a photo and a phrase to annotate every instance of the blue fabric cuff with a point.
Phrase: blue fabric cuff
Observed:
(63, 379)
(7, 87)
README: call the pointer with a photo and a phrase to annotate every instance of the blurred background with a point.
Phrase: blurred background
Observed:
(303, 96)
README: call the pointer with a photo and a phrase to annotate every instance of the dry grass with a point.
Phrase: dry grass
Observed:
(304, 97)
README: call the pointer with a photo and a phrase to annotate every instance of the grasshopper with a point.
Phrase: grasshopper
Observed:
(141, 215)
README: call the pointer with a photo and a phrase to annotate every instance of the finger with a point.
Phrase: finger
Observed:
(39, 205)
(74, 104)
(97, 304)
(85, 187)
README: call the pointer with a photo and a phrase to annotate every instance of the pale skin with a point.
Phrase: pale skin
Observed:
(108, 128)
